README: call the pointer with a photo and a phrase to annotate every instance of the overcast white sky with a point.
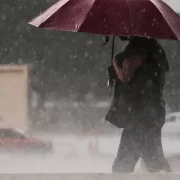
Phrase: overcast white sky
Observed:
(175, 4)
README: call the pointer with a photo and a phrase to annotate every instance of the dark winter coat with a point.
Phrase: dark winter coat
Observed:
(140, 100)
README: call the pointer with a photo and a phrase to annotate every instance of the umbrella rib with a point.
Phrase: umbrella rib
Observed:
(165, 19)
(86, 16)
(48, 12)
(130, 17)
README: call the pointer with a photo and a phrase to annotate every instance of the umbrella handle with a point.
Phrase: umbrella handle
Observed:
(110, 81)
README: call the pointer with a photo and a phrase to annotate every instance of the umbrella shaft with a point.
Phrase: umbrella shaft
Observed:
(113, 47)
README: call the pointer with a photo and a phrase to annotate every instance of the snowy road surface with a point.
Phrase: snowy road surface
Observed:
(72, 154)
(160, 176)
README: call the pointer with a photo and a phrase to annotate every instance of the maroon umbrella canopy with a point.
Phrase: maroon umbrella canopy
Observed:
(147, 18)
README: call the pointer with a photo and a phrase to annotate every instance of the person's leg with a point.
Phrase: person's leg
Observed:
(152, 153)
(128, 153)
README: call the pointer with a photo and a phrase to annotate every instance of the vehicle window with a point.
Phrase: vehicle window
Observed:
(9, 133)
(4, 133)
(16, 134)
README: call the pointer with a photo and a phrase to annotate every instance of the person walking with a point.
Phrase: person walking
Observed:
(138, 106)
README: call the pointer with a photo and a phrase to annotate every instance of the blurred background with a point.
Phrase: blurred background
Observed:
(68, 78)
(68, 70)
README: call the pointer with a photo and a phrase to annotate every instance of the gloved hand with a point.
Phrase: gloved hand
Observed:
(111, 73)
(112, 76)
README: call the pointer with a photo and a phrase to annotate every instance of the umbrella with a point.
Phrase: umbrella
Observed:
(145, 18)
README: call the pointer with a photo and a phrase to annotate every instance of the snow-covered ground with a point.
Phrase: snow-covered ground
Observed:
(76, 154)
(70, 155)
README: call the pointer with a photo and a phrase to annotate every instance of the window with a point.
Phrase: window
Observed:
(10, 133)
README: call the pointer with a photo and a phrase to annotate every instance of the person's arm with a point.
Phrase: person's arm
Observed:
(130, 65)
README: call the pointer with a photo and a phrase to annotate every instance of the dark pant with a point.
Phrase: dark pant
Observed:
(140, 142)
